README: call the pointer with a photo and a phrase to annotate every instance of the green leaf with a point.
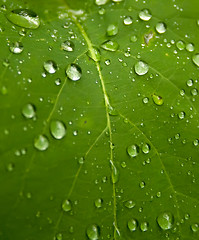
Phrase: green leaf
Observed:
(99, 125)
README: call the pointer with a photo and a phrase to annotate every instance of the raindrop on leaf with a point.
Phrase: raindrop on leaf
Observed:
(50, 66)
(57, 129)
(41, 143)
(93, 232)
(73, 72)
(141, 68)
(145, 15)
(165, 220)
(28, 110)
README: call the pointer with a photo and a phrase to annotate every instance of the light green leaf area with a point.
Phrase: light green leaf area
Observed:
(99, 123)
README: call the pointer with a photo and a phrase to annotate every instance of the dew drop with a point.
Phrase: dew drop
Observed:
(98, 203)
(190, 47)
(112, 30)
(133, 150)
(129, 204)
(181, 115)
(57, 129)
(189, 82)
(145, 100)
(165, 220)
(195, 227)
(41, 143)
(68, 46)
(144, 226)
(145, 148)
(145, 15)
(74, 72)
(132, 224)
(141, 68)
(16, 47)
(195, 59)
(28, 110)
(128, 21)
(142, 184)
(57, 81)
(25, 18)
(93, 232)
(110, 45)
(94, 54)
(194, 92)
(50, 66)
(161, 27)
(158, 100)
(81, 160)
(101, 2)
(180, 45)
(66, 205)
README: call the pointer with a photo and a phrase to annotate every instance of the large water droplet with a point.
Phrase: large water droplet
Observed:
(41, 143)
(50, 66)
(190, 83)
(112, 30)
(57, 129)
(181, 115)
(28, 110)
(195, 59)
(132, 225)
(98, 203)
(141, 68)
(129, 204)
(158, 100)
(145, 15)
(145, 148)
(66, 205)
(133, 150)
(68, 46)
(73, 72)
(101, 2)
(144, 226)
(58, 236)
(195, 227)
(128, 20)
(190, 47)
(16, 47)
(93, 232)
(24, 18)
(165, 220)
(94, 54)
(110, 46)
(161, 27)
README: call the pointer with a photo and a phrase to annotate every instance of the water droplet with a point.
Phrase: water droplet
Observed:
(145, 15)
(180, 45)
(194, 92)
(196, 142)
(16, 47)
(115, 173)
(181, 115)
(101, 2)
(66, 205)
(57, 81)
(133, 38)
(141, 68)
(25, 18)
(94, 54)
(50, 66)
(165, 220)
(41, 143)
(158, 100)
(68, 46)
(145, 100)
(93, 232)
(195, 59)
(57, 129)
(189, 82)
(28, 110)
(110, 45)
(10, 167)
(98, 203)
(58, 236)
(133, 150)
(128, 20)
(142, 184)
(190, 47)
(132, 224)
(144, 226)
(161, 27)
(112, 111)
(81, 160)
(74, 72)
(129, 204)
(112, 30)
(145, 148)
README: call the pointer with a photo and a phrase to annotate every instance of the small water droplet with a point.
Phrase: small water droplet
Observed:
(133, 38)
(115, 173)
(190, 83)
(161, 27)
(10, 167)
(181, 115)
(194, 92)
(128, 20)
(158, 100)
(16, 47)
(50, 66)
(141, 68)
(98, 203)
(57, 129)
(66, 205)
(129, 204)
(133, 150)
(190, 47)
(94, 54)
(196, 142)
(28, 111)
(145, 148)
(165, 220)
(145, 15)
(57, 81)
(58, 236)
(112, 111)
(81, 160)
(24, 18)
(144, 226)
(68, 46)
(145, 100)
(195, 59)
(101, 2)
(142, 184)
(195, 227)
(132, 224)
(180, 45)
(112, 30)
(93, 232)
(41, 143)
(74, 72)
(110, 45)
